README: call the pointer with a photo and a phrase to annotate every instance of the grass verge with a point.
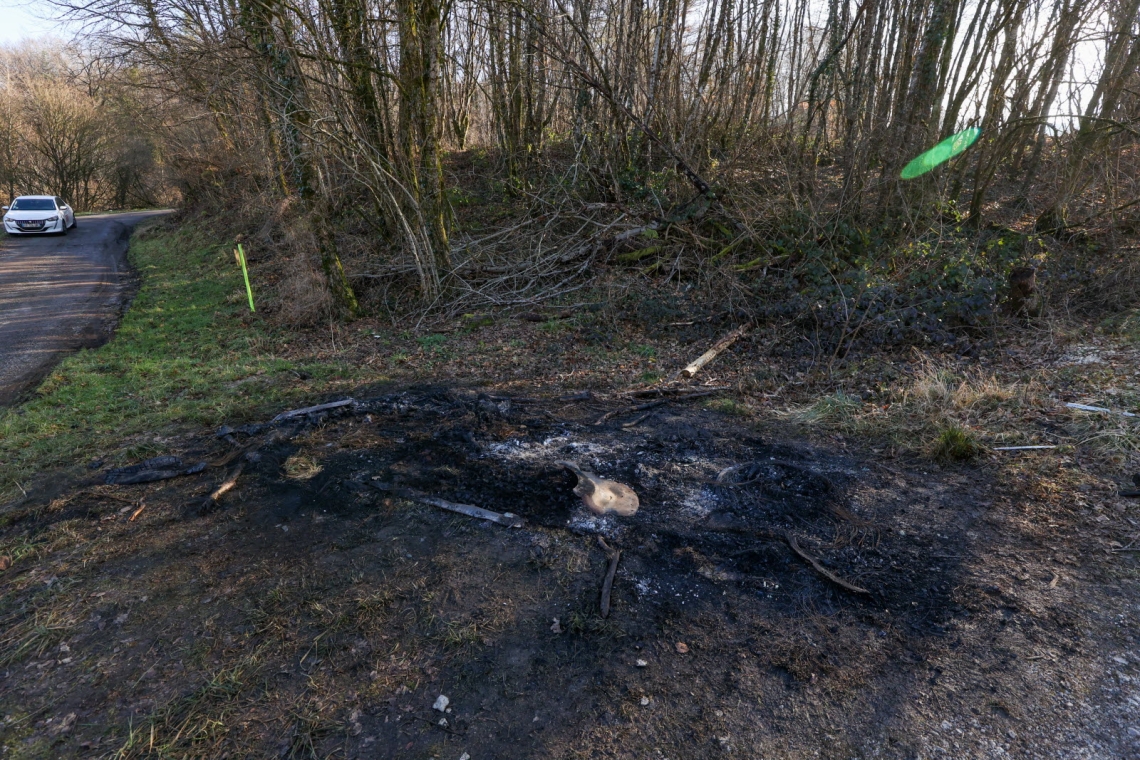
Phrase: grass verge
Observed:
(188, 353)
(945, 413)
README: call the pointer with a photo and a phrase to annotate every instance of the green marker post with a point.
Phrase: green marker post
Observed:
(239, 254)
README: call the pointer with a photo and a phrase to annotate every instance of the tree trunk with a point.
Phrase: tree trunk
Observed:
(270, 30)
(421, 34)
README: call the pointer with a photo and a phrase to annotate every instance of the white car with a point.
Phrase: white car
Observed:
(38, 214)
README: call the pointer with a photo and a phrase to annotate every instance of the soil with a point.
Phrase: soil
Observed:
(311, 614)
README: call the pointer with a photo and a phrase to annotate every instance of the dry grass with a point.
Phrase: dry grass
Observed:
(30, 636)
(953, 412)
(301, 467)
(301, 298)
(942, 411)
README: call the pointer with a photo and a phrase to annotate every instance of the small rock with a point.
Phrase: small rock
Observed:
(642, 663)
(441, 703)
(557, 627)
(645, 701)
(465, 756)
(682, 648)
(443, 722)
(5, 563)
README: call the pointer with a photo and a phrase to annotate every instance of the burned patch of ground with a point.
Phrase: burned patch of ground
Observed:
(312, 614)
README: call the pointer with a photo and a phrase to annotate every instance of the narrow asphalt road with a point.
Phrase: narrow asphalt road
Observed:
(59, 294)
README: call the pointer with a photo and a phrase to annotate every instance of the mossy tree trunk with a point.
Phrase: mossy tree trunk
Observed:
(421, 33)
(270, 30)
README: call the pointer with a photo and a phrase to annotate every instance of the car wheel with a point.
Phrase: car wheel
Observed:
(74, 222)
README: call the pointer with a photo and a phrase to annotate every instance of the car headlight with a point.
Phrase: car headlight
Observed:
(52, 219)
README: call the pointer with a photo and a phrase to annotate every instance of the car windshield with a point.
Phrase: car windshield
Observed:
(33, 204)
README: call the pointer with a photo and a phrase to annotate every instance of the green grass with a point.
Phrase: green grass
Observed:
(188, 354)
(727, 406)
(196, 721)
(434, 342)
(956, 444)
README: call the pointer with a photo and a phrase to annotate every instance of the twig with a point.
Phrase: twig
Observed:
(638, 408)
(231, 456)
(653, 404)
(1087, 408)
(507, 518)
(695, 366)
(821, 569)
(312, 410)
(227, 484)
(1022, 448)
(657, 392)
(137, 512)
(111, 496)
(636, 421)
(608, 584)
(722, 476)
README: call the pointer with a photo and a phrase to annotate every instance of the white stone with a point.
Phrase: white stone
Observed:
(441, 703)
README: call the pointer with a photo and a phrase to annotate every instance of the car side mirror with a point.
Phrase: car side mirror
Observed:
(6, 208)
